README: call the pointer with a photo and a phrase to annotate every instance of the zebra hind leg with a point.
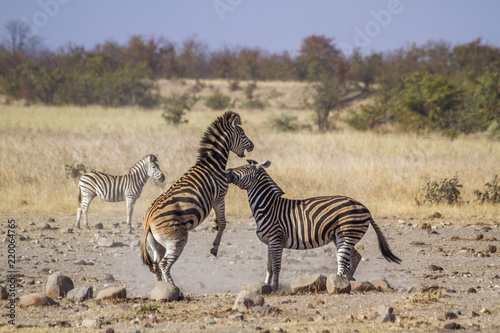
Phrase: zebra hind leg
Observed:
(174, 249)
(344, 254)
(355, 259)
(87, 198)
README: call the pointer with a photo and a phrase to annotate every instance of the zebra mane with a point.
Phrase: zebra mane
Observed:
(266, 179)
(139, 164)
(213, 133)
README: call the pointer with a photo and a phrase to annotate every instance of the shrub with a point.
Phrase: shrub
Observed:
(250, 89)
(175, 107)
(284, 123)
(491, 193)
(254, 104)
(148, 308)
(447, 191)
(218, 101)
(75, 171)
(234, 85)
(493, 131)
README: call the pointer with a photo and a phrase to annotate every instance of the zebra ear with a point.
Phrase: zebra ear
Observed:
(236, 120)
(265, 164)
(251, 162)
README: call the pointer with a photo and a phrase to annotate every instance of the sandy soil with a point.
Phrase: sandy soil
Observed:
(211, 284)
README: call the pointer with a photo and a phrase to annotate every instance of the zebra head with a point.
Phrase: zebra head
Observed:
(246, 175)
(153, 168)
(239, 141)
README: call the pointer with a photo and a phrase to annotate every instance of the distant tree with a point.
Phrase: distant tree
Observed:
(365, 69)
(318, 58)
(192, 59)
(326, 99)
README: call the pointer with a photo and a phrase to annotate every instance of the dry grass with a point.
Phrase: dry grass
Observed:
(382, 171)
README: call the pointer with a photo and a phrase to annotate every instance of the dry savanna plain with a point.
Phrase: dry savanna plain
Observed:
(449, 277)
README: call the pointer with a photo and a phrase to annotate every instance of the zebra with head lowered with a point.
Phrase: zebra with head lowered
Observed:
(117, 188)
(305, 224)
(189, 200)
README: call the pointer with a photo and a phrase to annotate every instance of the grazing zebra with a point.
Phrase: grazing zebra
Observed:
(189, 200)
(117, 188)
(304, 224)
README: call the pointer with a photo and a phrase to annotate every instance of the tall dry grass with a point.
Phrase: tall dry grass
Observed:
(383, 171)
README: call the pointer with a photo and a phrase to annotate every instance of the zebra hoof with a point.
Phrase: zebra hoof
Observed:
(214, 251)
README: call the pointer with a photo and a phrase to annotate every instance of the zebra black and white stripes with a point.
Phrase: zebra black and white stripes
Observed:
(304, 224)
(189, 200)
(117, 188)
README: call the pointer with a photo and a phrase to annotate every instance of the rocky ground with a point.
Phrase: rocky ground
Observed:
(449, 279)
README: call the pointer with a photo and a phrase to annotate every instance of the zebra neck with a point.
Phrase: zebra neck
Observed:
(140, 174)
(263, 194)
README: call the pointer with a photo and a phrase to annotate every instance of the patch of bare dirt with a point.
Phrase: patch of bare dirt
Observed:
(447, 268)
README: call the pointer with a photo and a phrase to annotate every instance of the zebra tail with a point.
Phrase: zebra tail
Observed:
(146, 258)
(383, 245)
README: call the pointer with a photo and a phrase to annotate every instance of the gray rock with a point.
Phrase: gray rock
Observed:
(362, 287)
(58, 285)
(209, 320)
(236, 317)
(99, 226)
(247, 299)
(105, 242)
(80, 294)
(3, 292)
(381, 284)
(36, 299)
(385, 315)
(112, 293)
(43, 226)
(336, 284)
(165, 292)
(259, 288)
(108, 277)
(92, 323)
(309, 283)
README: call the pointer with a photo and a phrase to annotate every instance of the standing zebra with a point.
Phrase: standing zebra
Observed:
(305, 224)
(117, 188)
(189, 200)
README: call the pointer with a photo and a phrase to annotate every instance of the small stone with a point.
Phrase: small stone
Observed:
(435, 268)
(112, 293)
(381, 284)
(236, 317)
(454, 238)
(43, 226)
(91, 323)
(277, 329)
(452, 326)
(489, 249)
(3, 292)
(362, 287)
(431, 288)
(99, 226)
(259, 288)
(51, 220)
(472, 291)
(309, 283)
(80, 294)
(385, 314)
(105, 242)
(66, 231)
(436, 215)
(209, 320)
(165, 292)
(108, 277)
(485, 311)
(479, 237)
(336, 284)
(58, 285)
(446, 315)
(425, 226)
(36, 299)
(107, 330)
(247, 299)
(474, 314)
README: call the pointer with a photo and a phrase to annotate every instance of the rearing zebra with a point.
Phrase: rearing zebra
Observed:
(117, 188)
(189, 200)
(305, 224)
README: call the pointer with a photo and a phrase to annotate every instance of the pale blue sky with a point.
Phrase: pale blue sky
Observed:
(275, 26)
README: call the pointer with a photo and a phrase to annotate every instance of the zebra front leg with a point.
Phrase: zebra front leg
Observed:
(274, 254)
(84, 208)
(130, 210)
(221, 219)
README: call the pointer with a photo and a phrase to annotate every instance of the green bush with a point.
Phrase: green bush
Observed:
(234, 85)
(447, 191)
(218, 101)
(75, 171)
(250, 89)
(175, 107)
(284, 123)
(491, 193)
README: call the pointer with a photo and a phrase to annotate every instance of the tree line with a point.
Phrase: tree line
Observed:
(430, 87)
